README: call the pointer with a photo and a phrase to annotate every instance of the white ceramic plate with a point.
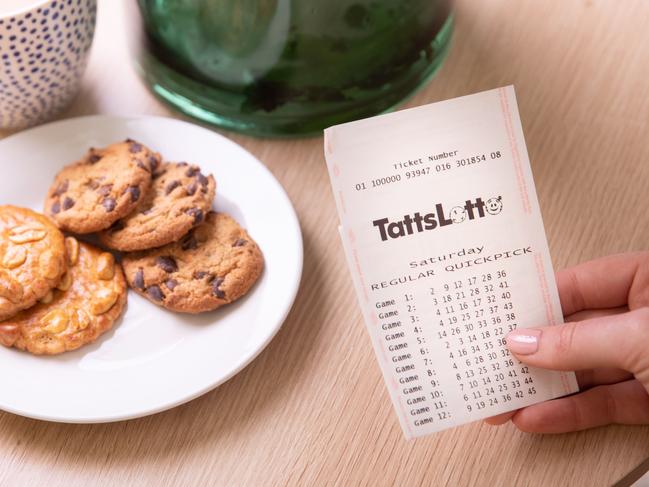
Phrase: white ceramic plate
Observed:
(153, 359)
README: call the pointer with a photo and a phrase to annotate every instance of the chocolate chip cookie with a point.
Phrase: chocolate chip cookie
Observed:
(32, 258)
(179, 198)
(86, 303)
(106, 185)
(213, 265)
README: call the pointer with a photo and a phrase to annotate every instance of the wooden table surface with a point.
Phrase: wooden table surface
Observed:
(312, 408)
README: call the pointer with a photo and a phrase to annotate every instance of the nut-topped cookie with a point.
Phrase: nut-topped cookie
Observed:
(179, 198)
(32, 258)
(213, 265)
(85, 304)
(106, 185)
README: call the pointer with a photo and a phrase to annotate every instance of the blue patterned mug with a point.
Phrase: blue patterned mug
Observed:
(44, 47)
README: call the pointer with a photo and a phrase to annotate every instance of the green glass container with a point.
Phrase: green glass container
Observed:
(289, 67)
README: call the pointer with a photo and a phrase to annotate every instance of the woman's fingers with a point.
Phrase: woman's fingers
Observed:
(589, 314)
(602, 350)
(617, 341)
(500, 418)
(608, 282)
(622, 403)
(585, 378)
(598, 377)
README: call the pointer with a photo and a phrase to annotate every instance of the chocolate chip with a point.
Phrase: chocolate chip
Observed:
(200, 274)
(182, 164)
(155, 293)
(171, 186)
(167, 263)
(61, 188)
(191, 189)
(202, 179)
(105, 189)
(109, 204)
(197, 213)
(94, 158)
(171, 284)
(239, 242)
(68, 203)
(216, 283)
(138, 280)
(153, 163)
(189, 243)
(56, 207)
(191, 172)
(135, 147)
(117, 226)
(92, 184)
(141, 165)
(134, 191)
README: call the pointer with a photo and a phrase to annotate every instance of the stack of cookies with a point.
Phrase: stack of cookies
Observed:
(57, 293)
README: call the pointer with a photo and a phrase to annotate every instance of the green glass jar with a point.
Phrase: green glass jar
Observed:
(288, 67)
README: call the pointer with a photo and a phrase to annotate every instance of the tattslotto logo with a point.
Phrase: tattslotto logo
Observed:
(418, 222)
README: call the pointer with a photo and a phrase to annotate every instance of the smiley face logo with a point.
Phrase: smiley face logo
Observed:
(458, 214)
(494, 205)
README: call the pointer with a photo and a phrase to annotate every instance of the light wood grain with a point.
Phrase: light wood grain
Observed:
(312, 409)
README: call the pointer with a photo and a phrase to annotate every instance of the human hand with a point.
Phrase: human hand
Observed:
(605, 340)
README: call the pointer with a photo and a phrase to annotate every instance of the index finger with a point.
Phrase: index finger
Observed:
(609, 282)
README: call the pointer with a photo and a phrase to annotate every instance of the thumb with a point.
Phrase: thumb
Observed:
(614, 341)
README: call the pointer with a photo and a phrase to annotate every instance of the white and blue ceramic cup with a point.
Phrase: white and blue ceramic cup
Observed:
(44, 47)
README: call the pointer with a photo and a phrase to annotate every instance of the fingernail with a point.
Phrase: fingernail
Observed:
(524, 342)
